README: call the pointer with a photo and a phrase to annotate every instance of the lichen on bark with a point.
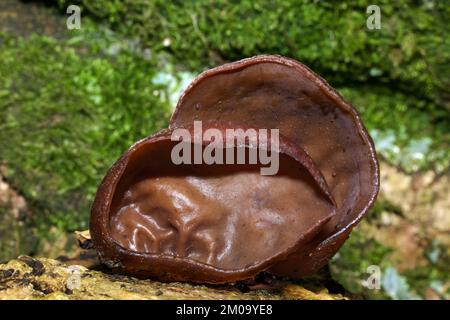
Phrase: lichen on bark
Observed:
(41, 278)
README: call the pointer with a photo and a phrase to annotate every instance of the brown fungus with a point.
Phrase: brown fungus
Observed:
(206, 223)
(276, 92)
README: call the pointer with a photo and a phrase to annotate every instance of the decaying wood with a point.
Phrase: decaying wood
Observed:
(41, 278)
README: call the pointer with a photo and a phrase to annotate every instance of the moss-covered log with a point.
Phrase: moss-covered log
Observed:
(29, 278)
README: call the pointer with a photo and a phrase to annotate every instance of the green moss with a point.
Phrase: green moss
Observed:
(68, 109)
(349, 266)
(408, 131)
(16, 235)
(397, 76)
(380, 206)
(435, 274)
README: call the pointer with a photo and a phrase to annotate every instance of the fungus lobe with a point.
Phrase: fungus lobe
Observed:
(222, 223)
(276, 92)
(206, 223)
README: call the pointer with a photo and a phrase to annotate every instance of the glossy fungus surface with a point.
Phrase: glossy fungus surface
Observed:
(277, 92)
(206, 223)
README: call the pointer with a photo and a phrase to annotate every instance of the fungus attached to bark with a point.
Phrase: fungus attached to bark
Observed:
(218, 223)
(206, 223)
(276, 92)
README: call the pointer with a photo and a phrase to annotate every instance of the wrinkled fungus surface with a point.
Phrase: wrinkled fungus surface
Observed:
(225, 222)
(229, 217)
(277, 92)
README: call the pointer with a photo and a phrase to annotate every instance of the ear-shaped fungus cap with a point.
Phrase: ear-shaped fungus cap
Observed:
(206, 223)
(276, 92)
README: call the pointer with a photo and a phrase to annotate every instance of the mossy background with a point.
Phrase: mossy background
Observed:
(71, 101)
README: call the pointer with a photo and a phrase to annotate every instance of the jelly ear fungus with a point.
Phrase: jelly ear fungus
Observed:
(276, 92)
(206, 223)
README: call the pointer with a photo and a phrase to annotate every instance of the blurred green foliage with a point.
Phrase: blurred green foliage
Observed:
(67, 111)
(435, 274)
(349, 266)
(16, 233)
(397, 76)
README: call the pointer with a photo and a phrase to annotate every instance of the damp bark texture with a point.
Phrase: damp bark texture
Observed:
(46, 279)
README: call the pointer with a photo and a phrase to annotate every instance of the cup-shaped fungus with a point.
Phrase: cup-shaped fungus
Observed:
(218, 222)
(277, 92)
